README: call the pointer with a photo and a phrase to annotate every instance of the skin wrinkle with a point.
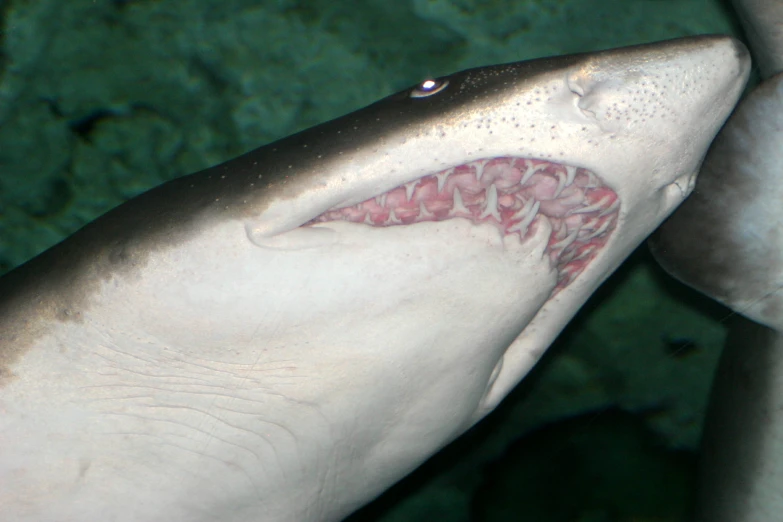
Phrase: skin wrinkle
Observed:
(217, 368)
(170, 421)
(207, 390)
(207, 393)
(168, 440)
(205, 413)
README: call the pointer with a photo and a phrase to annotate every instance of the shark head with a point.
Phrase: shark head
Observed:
(287, 334)
(563, 164)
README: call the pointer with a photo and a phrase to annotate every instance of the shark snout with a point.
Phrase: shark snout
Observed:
(659, 107)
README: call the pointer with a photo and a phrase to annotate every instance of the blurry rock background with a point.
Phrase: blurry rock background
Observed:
(103, 99)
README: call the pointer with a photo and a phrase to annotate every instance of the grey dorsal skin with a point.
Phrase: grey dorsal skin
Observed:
(741, 466)
(727, 241)
(764, 29)
(283, 336)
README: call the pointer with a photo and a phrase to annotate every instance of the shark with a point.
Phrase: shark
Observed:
(285, 335)
(725, 241)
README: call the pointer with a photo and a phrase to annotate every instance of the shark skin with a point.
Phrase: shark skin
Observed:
(764, 28)
(725, 241)
(283, 336)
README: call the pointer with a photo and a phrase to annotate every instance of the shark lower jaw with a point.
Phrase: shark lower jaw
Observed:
(514, 195)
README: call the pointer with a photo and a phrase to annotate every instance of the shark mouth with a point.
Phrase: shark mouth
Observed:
(513, 194)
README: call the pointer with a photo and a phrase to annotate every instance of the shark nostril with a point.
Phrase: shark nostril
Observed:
(680, 188)
(574, 86)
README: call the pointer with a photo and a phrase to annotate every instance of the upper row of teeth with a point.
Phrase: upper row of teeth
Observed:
(531, 169)
(491, 206)
(564, 180)
(525, 215)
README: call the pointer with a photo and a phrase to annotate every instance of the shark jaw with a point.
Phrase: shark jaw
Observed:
(515, 195)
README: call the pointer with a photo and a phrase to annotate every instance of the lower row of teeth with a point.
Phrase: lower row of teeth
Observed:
(513, 194)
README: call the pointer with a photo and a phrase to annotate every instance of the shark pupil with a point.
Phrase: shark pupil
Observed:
(428, 88)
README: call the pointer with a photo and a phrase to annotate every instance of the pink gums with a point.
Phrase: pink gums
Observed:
(511, 193)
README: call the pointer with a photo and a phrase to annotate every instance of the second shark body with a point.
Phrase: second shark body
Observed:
(284, 336)
(726, 241)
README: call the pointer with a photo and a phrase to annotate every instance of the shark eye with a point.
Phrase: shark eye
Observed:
(428, 88)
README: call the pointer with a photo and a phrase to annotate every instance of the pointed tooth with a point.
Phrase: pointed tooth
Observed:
(566, 257)
(591, 181)
(368, 219)
(567, 241)
(459, 206)
(517, 227)
(522, 212)
(598, 231)
(393, 219)
(560, 231)
(423, 212)
(530, 171)
(522, 225)
(409, 188)
(591, 224)
(533, 211)
(491, 207)
(442, 179)
(611, 208)
(480, 169)
(586, 230)
(585, 252)
(570, 175)
(561, 184)
(567, 275)
(591, 208)
(381, 200)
